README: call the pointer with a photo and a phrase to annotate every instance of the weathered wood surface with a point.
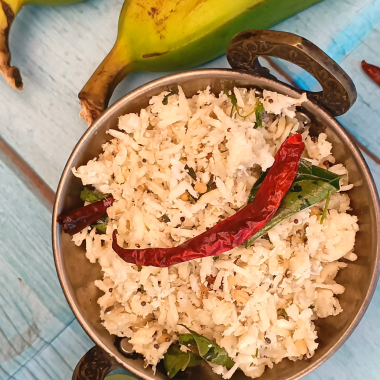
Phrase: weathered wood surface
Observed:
(56, 50)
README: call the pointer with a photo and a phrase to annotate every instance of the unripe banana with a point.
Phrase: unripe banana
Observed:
(156, 35)
(8, 12)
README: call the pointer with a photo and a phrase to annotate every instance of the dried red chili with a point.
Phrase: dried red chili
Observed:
(74, 221)
(236, 229)
(372, 71)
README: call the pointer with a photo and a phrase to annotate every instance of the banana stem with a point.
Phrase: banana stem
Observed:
(96, 93)
(10, 73)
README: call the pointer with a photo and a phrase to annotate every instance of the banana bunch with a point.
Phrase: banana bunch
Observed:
(8, 12)
(157, 35)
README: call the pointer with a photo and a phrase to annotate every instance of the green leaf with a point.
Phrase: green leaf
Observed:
(284, 313)
(101, 224)
(301, 195)
(176, 360)
(259, 109)
(187, 339)
(101, 227)
(311, 185)
(165, 218)
(208, 349)
(191, 172)
(326, 207)
(88, 195)
(211, 184)
(233, 99)
(256, 186)
(308, 171)
(172, 92)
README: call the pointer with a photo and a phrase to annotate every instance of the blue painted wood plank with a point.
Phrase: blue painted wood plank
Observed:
(33, 309)
(58, 359)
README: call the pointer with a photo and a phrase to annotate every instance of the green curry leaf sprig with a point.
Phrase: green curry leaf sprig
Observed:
(311, 185)
(258, 110)
(199, 349)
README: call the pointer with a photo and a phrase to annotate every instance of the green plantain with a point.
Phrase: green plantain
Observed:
(8, 11)
(166, 35)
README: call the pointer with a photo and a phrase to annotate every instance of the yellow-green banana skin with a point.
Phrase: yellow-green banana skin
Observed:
(157, 35)
(8, 12)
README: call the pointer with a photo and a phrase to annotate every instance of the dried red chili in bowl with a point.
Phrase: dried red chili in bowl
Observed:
(76, 220)
(236, 229)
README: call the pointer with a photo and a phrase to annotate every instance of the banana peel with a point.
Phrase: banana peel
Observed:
(170, 35)
(9, 9)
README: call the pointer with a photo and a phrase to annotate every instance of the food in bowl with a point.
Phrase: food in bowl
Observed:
(175, 171)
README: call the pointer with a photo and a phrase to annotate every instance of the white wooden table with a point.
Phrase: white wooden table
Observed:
(57, 49)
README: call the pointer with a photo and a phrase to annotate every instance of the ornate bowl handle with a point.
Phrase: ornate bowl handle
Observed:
(96, 364)
(339, 92)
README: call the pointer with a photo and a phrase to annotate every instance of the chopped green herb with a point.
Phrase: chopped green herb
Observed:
(210, 183)
(165, 218)
(172, 92)
(259, 109)
(191, 172)
(326, 206)
(311, 307)
(255, 356)
(88, 195)
(266, 237)
(284, 314)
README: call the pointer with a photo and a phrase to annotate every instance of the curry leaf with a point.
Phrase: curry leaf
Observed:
(326, 207)
(259, 109)
(284, 314)
(207, 349)
(187, 339)
(172, 92)
(101, 224)
(191, 172)
(211, 184)
(176, 360)
(311, 185)
(101, 227)
(308, 171)
(165, 218)
(88, 195)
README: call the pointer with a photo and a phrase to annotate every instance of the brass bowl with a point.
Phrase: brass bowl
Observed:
(77, 274)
